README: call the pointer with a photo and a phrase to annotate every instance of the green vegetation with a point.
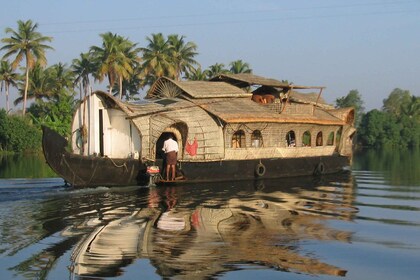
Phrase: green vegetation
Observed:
(128, 69)
(26, 43)
(8, 77)
(18, 134)
(397, 124)
(352, 99)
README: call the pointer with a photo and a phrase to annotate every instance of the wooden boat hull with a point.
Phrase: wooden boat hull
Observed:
(89, 171)
(262, 169)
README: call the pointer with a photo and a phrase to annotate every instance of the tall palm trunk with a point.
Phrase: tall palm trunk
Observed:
(111, 80)
(25, 95)
(80, 91)
(7, 98)
(120, 81)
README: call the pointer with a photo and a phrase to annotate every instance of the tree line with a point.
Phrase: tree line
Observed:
(127, 68)
(396, 124)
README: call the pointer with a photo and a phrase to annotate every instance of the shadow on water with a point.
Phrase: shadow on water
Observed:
(190, 231)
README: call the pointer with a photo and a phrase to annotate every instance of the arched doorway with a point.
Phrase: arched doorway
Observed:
(160, 154)
(179, 132)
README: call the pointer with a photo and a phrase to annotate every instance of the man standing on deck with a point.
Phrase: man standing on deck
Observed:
(170, 147)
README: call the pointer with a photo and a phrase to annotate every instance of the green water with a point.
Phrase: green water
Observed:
(24, 166)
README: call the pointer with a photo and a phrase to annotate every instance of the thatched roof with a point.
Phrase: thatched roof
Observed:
(245, 80)
(299, 97)
(231, 110)
(310, 98)
(244, 110)
(230, 103)
(165, 87)
(345, 114)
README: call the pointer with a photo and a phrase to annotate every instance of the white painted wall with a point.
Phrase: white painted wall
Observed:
(121, 138)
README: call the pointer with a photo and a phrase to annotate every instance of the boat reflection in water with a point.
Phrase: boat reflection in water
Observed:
(197, 232)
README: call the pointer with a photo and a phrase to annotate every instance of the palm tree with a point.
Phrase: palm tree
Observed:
(41, 85)
(82, 68)
(182, 54)
(129, 65)
(114, 59)
(26, 43)
(7, 78)
(132, 84)
(64, 80)
(157, 60)
(103, 58)
(238, 66)
(196, 74)
(216, 69)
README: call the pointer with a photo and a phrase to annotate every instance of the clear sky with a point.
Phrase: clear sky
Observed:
(372, 46)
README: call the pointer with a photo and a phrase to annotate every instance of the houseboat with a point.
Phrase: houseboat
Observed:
(233, 127)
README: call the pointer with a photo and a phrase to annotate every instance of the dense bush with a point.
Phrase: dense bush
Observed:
(397, 124)
(381, 129)
(18, 134)
(56, 115)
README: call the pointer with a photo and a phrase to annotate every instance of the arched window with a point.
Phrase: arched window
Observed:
(291, 139)
(256, 139)
(238, 139)
(319, 139)
(306, 139)
(330, 140)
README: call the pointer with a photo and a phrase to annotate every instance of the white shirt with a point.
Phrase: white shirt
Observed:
(170, 145)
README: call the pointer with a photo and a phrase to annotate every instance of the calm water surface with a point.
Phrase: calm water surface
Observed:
(363, 224)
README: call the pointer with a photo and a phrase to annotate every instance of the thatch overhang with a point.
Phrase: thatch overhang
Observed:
(310, 98)
(246, 79)
(163, 106)
(165, 87)
(143, 109)
(112, 102)
(244, 110)
(345, 114)
(146, 108)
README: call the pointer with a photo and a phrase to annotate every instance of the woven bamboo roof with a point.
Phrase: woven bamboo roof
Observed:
(307, 98)
(246, 79)
(165, 87)
(223, 98)
(235, 110)
(345, 114)
(244, 110)
(310, 98)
